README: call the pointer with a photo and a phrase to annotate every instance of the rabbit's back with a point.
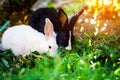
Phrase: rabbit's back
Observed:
(22, 39)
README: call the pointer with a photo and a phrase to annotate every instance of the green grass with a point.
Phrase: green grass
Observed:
(92, 58)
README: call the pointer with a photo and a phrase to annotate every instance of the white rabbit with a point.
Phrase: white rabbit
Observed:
(23, 39)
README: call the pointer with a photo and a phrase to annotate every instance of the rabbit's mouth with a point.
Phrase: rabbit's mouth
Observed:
(69, 42)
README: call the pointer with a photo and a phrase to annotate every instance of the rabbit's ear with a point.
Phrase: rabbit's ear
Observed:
(62, 17)
(74, 19)
(48, 29)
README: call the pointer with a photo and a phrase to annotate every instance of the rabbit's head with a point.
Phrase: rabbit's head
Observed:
(50, 37)
(65, 35)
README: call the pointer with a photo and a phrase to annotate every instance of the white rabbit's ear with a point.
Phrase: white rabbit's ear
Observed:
(48, 29)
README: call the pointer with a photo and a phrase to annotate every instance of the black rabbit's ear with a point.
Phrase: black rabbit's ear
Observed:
(74, 19)
(63, 17)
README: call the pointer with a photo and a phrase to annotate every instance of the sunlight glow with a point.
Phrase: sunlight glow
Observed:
(96, 31)
(107, 2)
(81, 29)
(101, 3)
(93, 21)
(86, 20)
(105, 24)
(103, 28)
(100, 11)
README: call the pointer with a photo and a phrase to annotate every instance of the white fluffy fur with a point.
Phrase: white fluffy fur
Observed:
(22, 39)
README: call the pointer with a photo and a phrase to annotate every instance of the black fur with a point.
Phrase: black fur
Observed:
(37, 20)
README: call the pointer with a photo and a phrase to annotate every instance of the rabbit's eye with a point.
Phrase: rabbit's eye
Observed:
(50, 47)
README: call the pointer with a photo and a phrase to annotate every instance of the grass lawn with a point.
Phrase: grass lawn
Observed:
(92, 58)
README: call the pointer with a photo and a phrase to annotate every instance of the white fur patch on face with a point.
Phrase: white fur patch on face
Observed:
(69, 43)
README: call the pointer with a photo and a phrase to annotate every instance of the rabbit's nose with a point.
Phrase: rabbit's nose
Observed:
(50, 47)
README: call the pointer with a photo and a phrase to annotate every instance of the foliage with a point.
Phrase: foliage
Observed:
(17, 1)
(49, 4)
(92, 58)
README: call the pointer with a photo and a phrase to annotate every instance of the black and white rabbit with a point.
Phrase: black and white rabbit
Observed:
(23, 39)
(62, 28)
